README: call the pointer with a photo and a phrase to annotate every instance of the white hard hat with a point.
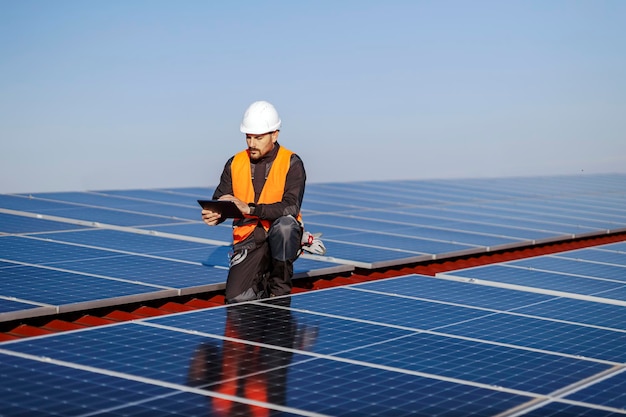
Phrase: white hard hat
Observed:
(260, 117)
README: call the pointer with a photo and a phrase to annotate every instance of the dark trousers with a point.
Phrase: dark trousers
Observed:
(264, 267)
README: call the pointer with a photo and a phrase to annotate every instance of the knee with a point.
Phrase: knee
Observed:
(285, 227)
(284, 238)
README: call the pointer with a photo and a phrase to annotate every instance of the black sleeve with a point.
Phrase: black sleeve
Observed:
(225, 186)
(226, 183)
(292, 197)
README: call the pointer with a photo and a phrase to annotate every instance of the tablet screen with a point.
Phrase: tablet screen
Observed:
(224, 207)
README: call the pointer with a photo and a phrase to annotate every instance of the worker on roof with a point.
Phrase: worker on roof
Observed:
(266, 181)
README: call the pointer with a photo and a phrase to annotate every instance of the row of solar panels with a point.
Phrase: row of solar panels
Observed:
(72, 250)
(539, 337)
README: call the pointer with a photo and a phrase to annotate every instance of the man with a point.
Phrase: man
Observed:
(266, 182)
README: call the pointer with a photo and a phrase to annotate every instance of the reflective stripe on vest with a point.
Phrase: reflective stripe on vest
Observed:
(243, 189)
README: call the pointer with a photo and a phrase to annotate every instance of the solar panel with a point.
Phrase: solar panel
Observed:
(411, 345)
(154, 238)
(594, 272)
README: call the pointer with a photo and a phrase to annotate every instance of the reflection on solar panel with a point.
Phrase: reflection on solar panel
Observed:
(71, 250)
(412, 345)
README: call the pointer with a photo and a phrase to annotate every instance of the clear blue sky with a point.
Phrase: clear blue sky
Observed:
(146, 93)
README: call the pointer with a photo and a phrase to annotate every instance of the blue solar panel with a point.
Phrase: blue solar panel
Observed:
(222, 233)
(57, 288)
(341, 351)
(560, 409)
(574, 266)
(31, 387)
(571, 339)
(405, 346)
(488, 215)
(20, 224)
(503, 299)
(610, 392)
(554, 281)
(597, 255)
(620, 246)
(462, 293)
(9, 306)
(479, 362)
(347, 225)
(134, 242)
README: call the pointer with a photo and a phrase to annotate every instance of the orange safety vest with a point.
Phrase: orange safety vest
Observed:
(243, 189)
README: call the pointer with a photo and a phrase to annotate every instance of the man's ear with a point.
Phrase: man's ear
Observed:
(275, 136)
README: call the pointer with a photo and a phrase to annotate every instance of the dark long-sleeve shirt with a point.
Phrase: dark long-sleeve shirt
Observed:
(294, 186)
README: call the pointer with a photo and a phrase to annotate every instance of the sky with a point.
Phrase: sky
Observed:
(124, 94)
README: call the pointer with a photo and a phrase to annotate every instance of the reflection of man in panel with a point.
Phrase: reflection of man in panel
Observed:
(245, 370)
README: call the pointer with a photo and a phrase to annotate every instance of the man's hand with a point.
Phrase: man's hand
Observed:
(211, 217)
(245, 209)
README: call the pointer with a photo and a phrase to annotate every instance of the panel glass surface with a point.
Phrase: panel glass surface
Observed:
(610, 392)
(597, 255)
(20, 224)
(55, 287)
(546, 280)
(574, 267)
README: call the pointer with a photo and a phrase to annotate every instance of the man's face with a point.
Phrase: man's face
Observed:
(261, 145)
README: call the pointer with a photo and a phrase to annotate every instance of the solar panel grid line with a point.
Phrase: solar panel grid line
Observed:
(347, 360)
(558, 211)
(47, 217)
(408, 252)
(589, 381)
(181, 199)
(278, 307)
(72, 204)
(97, 199)
(538, 220)
(510, 265)
(470, 225)
(488, 221)
(615, 258)
(458, 276)
(71, 271)
(538, 404)
(442, 192)
(122, 252)
(159, 196)
(97, 225)
(398, 235)
(617, 248)
(404, 224)
(559, 395)
(511, 312)
(569, 206)
(341, 194)
(513, 210)
(162, 383)
(436, 332)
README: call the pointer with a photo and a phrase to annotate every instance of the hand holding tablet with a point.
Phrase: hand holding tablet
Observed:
(227, 208)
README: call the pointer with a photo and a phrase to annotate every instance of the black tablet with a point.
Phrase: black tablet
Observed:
(225, 207)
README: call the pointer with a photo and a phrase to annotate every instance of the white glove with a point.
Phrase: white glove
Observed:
(312, 243)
